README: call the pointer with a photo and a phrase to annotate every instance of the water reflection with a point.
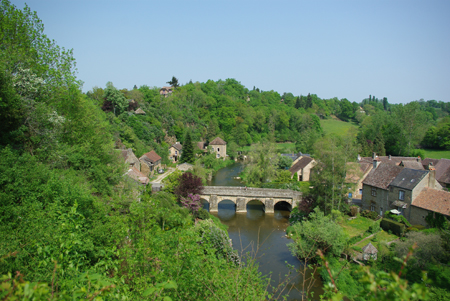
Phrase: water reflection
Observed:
(262, 236)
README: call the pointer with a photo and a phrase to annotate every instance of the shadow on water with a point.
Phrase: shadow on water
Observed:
(261, 236)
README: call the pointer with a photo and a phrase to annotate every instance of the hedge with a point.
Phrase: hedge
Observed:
(390, 225)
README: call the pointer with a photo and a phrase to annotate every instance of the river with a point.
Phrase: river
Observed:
(263, 236)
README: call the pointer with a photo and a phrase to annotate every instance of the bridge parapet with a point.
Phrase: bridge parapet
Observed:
(242, 195)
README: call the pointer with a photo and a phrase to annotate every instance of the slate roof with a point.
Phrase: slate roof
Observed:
(408, 178)
(433, 200)
(151, 156)
(218, 141)
(177, 146)
(302, 163)
(136, 175)
(383, 175)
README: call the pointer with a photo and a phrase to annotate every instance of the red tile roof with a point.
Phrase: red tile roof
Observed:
(152, 156)
(433, 200)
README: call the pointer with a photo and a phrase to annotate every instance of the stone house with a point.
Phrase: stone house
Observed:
(166, 91)
(356, 173)
(429, 200)
(219, 147)
(442, 168)
(175, 152)
(131, 158)
(150, 162)
(375, 189)
(137, 176)
(303, 168)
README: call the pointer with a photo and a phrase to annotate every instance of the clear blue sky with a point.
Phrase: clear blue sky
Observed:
(346, 49)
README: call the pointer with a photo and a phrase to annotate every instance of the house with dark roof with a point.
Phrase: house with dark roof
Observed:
(375, 189)
(394, 160)
(303, 168)
(150, 162)
(175, 152)
(219, 147)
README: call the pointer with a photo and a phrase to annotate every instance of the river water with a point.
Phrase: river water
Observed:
(262, 236)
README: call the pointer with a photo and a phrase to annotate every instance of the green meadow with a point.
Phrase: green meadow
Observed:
(336, 126)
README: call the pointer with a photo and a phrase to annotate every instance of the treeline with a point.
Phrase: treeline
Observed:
(70, 224)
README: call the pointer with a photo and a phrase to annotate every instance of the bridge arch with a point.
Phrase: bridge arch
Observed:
(283, 205)
(241, 196)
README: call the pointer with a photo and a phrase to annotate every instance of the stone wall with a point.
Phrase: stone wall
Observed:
(418, 216)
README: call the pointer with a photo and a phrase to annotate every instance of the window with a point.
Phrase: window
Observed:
(218, 155)
(401, 195)
(360, 191)
(374, 191)
(372, 207)
(218, 149)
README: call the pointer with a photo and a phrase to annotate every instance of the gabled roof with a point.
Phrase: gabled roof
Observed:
(391, 159)
(302, 163)
(369, 249)
(177, 146)
(443, 170)
(151, 156)
(139, 112)
(356, 170)
(413, 164)
(218, 141)
(383, 175)
(427, 161)
(433, 200)
(408, 178)
(136, 175)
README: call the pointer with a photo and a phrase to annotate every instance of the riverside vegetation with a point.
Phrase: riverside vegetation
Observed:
(70, 223)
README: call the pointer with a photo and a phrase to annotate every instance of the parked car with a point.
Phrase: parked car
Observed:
(161, 170)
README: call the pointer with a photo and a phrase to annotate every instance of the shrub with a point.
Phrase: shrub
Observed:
(390, 225)
(354, 210)
(336, 215)
(203, 214)
(374, 228)
(397, 218)
(369, 214)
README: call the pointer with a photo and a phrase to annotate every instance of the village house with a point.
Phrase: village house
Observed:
(175, 152)
(302, 167)
(356, 173)
(391, 186)
(137, 176)
(429, 200)
(131, 158)
(166, 91)
(442, 168)
(219, 147)
(150, 162)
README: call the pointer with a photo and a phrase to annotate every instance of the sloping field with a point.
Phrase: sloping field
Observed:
(336, 126)
(437, 154)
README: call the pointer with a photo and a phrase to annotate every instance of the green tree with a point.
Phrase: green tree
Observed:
(188, 150)
(318, 232)
(116, 98)
(174, 82)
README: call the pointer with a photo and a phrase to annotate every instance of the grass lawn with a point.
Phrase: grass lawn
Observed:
(337, 127)
(356, 226)
(382, 238)
(437, 154)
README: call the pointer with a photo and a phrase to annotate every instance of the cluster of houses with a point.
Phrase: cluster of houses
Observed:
(140, 170)
(405, 185)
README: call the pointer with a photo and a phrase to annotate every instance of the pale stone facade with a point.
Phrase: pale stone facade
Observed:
(175, 152)
(219, 147)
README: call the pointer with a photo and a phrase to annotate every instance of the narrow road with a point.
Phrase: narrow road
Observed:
(162, 176)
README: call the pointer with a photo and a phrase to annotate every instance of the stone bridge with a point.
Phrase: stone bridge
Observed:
(241, 196)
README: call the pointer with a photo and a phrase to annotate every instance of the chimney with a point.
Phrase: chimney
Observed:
(359, 157)
(430, 166)
(432, 178)
(374, 156)
(390, 157)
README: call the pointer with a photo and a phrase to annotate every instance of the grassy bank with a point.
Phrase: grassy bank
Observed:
(336, 126)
